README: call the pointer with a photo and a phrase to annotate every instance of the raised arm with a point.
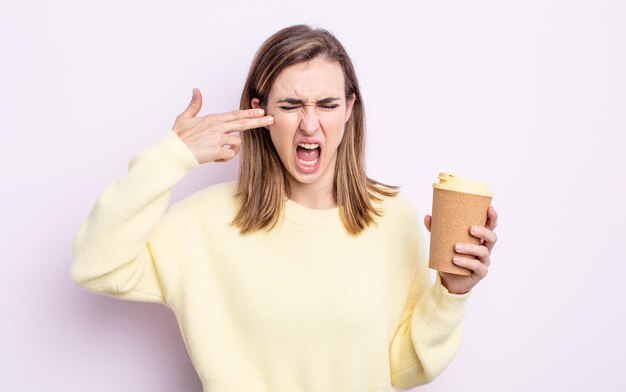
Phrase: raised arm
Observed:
(120, 249)
(128, 247)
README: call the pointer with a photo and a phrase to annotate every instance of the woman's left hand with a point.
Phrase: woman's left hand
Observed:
(461, 284)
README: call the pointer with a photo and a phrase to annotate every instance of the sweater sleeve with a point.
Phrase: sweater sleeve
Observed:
(429, 334)
(126, 248)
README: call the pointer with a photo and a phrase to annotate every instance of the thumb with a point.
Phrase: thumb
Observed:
(194, 106)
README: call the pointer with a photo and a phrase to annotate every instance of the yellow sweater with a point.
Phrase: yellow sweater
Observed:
(304, 307)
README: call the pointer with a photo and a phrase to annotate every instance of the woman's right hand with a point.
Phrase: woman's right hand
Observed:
(206, 136)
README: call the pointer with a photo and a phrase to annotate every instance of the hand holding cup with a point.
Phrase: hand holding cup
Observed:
(461, 284)
(460, 255)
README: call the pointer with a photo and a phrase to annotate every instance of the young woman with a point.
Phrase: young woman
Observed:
(303, 274)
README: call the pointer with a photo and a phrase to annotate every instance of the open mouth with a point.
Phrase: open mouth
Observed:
(308, 156)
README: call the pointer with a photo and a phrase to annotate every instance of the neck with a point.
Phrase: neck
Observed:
(317, 195)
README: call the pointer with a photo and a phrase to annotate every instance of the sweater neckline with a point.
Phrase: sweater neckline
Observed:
(311, 216)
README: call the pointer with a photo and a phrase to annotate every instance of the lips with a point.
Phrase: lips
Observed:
(308, 140)
(304, 168)
(305, 165)
(307, 154)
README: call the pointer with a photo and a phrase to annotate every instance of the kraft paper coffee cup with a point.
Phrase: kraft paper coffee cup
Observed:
(457, 205)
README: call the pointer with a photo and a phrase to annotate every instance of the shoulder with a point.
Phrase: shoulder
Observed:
(400, 222)
(216, 197)
(398, 206)
(398, 212)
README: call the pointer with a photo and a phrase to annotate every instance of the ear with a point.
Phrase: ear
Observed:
(349, 105)
(256, 103)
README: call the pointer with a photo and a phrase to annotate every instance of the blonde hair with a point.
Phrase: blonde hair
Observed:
(262, 185)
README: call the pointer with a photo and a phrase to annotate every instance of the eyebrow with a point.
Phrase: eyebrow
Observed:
(296, 101)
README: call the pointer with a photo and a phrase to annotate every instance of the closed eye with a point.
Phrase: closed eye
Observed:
(296, 107)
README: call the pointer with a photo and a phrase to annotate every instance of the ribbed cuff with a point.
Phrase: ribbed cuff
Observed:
(178, 151)
(447, 299)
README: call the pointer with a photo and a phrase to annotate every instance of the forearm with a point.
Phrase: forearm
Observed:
(427, 342)
(120, 222)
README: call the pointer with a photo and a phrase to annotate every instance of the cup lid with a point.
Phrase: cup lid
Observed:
(450, 182)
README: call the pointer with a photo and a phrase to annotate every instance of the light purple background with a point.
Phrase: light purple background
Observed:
(527, 96)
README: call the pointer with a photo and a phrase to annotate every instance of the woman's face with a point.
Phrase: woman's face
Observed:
(310, 111)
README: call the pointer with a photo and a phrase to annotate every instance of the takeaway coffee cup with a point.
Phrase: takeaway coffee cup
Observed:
(457, 205)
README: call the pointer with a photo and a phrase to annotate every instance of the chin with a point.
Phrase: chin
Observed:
(304, 178)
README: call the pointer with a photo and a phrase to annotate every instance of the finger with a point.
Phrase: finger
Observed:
(245, 124)
(474, 250)
(479, 269)
(194, 106)
(236, 115)
(427, 221)
(226, 154)
(492, 218)
(488, 237)
(231, 140)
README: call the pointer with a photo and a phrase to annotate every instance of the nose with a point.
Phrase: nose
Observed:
(310, 120)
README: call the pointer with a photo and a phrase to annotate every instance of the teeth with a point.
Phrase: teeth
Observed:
(308, 146)
(305, 163)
